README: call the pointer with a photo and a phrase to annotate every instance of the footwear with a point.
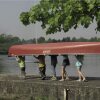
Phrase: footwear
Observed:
(54, 78)
(61, 80)
(67, 79)
(79, 80)
(85, 80)
(43, 78)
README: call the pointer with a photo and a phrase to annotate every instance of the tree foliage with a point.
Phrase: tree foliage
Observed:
(57, 15)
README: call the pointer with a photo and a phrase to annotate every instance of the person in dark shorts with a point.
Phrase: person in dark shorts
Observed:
(65, 63)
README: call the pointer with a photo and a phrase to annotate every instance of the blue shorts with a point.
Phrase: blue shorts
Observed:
(78, 64)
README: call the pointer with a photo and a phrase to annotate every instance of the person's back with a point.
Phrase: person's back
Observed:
(65, 60)
(41, 59)
(54, 59)
(21, 61)
(80, 58)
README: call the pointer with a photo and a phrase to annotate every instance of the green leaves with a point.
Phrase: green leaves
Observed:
(24, 18)
(91, 6)
(57, 15)
(85, 21)
(67, 23)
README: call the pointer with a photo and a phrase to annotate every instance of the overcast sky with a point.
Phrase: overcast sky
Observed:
(10, 23)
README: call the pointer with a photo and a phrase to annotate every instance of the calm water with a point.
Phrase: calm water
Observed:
(91, 67)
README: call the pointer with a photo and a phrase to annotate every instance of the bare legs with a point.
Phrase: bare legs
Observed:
(64, 74)
(80, 74)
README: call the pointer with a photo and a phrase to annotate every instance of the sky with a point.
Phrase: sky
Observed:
(10, 23)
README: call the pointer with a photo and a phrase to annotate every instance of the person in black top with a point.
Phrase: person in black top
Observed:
(53, 64)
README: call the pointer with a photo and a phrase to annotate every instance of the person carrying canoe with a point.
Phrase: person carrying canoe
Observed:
(42, 65)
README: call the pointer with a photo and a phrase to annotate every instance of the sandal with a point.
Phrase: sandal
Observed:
(85, 80)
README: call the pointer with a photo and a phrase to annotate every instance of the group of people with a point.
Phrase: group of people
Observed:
(54, 61)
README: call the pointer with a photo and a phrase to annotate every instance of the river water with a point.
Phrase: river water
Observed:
(91, 66)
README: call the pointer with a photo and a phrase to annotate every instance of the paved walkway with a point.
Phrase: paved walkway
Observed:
(93, 82)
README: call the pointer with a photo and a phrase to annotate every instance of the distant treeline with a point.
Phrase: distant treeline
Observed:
(8, 40)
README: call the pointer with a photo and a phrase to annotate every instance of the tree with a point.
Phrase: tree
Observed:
(57, 15)
(41, 40)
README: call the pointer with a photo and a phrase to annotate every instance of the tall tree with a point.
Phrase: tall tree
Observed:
(57, 15)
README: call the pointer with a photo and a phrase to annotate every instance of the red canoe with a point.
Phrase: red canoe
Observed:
(56, 48)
